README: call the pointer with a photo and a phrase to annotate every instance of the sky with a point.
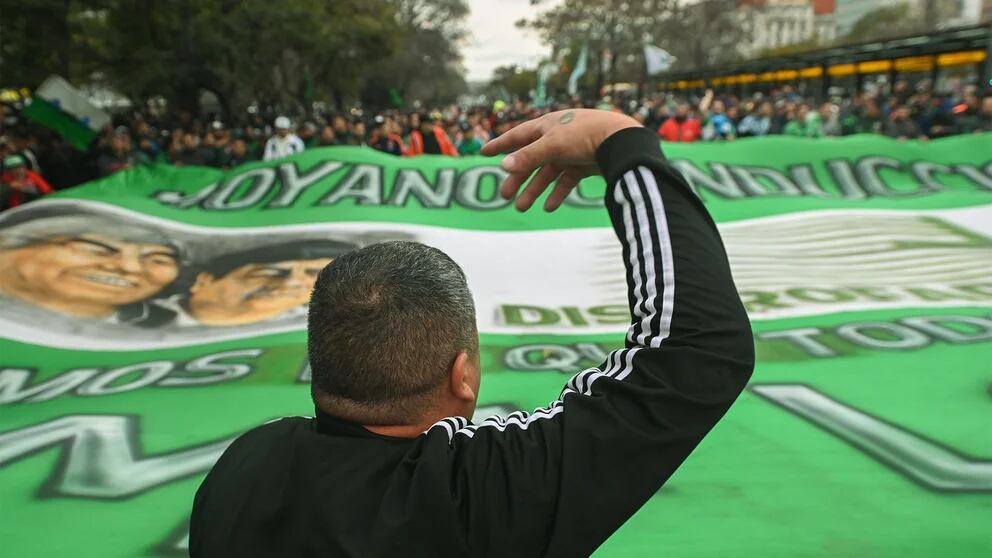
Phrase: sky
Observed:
(495, 39)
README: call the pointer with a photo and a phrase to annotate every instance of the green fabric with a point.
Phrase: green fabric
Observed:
(469, 146)
(864, 263)
(73, 131)
(795, 128)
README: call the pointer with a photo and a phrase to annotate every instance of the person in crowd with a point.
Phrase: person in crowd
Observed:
(193, 152)
(119, 156)
(20, 184)
(934, 115)
(901, 125)
(147, 142)
(758, 122)
(973, 114)
(985, 118)
(864, 117)
(5, 148)
(470, 143)
(383, 139)
(357, 133)
(327, 137)
(253, 142)
(284, 142)
(220, 138)
(85, 266)
(430, 139)
(828, 116)
(681, 127)
(175, 145)
(253, 285)
(718, 125)
(799, 122)
(308, 134)
(237, 154)
(25, 143)
(340, 125)
(64, 166)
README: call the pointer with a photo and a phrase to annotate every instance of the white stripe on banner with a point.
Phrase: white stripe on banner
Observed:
(619, 363)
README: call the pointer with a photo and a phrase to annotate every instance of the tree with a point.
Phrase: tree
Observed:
(38, 38)
(514, 80)
(698, 33)
(617, 27)
(426, 66)
(706, 33)
(276, 53)
(279, 53)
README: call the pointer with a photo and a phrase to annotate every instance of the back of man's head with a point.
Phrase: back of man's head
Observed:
(385, 325)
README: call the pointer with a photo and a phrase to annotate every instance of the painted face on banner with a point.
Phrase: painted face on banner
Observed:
(89, 269)
(254, 292)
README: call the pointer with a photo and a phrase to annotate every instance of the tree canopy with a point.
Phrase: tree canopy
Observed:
(696, 32)
(281, 54)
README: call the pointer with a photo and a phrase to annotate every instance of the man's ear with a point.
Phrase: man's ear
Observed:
(463, 377)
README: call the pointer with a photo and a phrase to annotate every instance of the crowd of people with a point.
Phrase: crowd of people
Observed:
(36, 161)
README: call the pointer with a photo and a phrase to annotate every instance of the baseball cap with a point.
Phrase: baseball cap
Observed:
(282, 123)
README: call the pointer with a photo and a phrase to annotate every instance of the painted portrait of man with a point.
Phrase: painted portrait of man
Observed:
(88, 267)
(254, 285)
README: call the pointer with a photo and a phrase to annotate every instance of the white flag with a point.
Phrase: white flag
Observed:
(67, 98)
(657, 59)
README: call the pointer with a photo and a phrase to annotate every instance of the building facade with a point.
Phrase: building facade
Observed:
(781, 23)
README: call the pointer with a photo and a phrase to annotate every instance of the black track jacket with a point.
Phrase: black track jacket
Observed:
(555, 482)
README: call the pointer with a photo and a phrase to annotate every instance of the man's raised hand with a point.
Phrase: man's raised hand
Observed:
(562, 145)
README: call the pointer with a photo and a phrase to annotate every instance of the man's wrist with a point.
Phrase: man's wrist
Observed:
(627, 149)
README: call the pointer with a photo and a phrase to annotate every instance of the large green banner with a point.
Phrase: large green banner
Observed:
(149, 318)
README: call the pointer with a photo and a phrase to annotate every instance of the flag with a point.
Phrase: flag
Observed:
(395, 98)
(544, 72)
(57, 105)
(657, 59)
(580, 69)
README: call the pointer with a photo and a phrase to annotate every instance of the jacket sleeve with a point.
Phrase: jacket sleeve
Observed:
(560, 480)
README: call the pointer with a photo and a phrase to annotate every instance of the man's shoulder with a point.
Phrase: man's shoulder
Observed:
(262, 438)
(278, 426)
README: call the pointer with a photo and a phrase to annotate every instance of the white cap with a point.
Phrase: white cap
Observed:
(282, 123)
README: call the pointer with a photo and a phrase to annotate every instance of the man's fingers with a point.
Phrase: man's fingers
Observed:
(537, 186)
(514, 139)
(512, 184)
(531, 156)
(563, 187)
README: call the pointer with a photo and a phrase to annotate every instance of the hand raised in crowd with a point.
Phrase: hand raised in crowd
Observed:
(562, 145)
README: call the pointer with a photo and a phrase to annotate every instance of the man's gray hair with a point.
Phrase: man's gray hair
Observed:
(385, 325)
(39, 230)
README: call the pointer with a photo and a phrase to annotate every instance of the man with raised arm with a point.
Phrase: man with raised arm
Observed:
(392, 466)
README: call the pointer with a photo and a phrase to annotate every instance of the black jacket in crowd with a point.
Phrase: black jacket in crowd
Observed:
(555, 482)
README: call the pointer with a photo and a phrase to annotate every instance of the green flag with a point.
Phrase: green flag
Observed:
(61, 108)
(579, 71)
(395, 98)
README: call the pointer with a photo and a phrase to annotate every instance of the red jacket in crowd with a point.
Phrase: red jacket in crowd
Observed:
(31, 184)
(416, 146)
(687, 131)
